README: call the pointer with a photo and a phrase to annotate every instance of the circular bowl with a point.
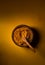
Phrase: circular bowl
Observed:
(21, 31)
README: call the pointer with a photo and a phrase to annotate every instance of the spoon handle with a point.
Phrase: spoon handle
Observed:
(24, 39)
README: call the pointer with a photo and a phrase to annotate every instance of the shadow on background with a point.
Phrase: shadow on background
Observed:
(36, 38)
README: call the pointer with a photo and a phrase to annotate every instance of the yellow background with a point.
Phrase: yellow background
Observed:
(16, 13)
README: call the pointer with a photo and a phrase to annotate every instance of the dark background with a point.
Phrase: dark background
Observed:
(13, 13)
